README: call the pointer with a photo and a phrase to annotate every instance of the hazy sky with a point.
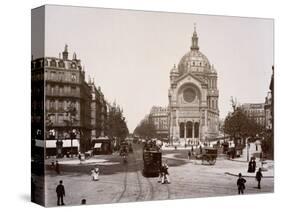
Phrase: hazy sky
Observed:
(130, 53)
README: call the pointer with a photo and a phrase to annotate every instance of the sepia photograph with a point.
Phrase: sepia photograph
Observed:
(132, 106)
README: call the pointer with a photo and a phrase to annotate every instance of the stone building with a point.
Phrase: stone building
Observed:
(193, 97)
(65, 87)
(159, 117)
(269, 105)
(99, 112)
(255, 111)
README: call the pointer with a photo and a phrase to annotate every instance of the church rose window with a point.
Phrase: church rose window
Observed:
(189, 95)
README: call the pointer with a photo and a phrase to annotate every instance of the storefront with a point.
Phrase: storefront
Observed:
(102, 146)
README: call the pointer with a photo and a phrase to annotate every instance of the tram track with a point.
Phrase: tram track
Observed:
(124, 183)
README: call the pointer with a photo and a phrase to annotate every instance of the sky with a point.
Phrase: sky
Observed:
(130, 53)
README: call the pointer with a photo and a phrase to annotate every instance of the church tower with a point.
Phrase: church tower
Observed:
(193, 98)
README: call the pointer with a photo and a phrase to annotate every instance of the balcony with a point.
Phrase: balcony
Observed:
(62, 94)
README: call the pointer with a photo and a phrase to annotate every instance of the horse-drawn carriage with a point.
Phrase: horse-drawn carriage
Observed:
(208, 156)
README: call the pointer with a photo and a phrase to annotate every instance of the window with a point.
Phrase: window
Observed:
(52, 89)
(52, 104)
(73, 65)
(53, 74)
(73, 77)
(73, 89)
(60, 105)
(60, 89)
(61, 64)
(60, 118)
(53, 63)
(61, 76)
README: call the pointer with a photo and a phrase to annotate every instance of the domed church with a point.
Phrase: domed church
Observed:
(193, 98)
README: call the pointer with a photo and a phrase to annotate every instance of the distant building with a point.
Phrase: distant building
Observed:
(193, 97)
(99, 112)
(268, 111)
(269, 104)
(255, 111)
(159, 117)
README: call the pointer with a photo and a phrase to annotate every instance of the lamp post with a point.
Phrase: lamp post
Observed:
(71, 112)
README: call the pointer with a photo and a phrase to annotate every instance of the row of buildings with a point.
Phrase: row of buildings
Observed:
(262, 113)
(72, 108)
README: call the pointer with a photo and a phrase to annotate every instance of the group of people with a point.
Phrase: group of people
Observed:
(241, 181)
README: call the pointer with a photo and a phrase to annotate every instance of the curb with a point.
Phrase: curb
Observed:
(248, 176)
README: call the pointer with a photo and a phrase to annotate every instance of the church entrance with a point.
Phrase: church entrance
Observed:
(196, 130)
(189, 129)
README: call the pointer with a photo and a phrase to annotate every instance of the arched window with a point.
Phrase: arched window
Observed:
(182, 130)
(196, 130)
(53, 63)
(189, 129)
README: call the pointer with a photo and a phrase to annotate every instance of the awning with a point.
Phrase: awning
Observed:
(97, 145)
(65, 143)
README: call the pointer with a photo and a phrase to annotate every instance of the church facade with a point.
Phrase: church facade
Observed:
(193, 98)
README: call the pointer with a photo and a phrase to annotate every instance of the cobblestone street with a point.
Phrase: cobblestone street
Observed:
(125, 183)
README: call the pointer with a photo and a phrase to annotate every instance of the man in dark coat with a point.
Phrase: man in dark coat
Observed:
(241, 184)
(258, 178)
(60, 193)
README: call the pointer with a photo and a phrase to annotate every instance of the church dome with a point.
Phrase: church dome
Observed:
(194, 60)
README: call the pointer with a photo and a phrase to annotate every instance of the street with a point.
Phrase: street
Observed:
(124, 182)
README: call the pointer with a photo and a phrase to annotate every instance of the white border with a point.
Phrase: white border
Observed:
(15, 105)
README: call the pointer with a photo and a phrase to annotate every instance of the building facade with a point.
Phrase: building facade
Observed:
(269, 105)
(255, 111)
(66, 90)
(99, 112)
(159, 117)
(193, 97)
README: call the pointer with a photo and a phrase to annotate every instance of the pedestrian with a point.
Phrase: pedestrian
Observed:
(254, 165)
(189, 155)
(250, 166)
(165, 173)
(241, 184)
(79, 157)
(57, 167)
(192, 149)
(60, 193)
(258, 178)
(200, 149)
(95, 174)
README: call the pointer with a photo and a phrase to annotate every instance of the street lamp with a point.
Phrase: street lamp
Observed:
(71, 112)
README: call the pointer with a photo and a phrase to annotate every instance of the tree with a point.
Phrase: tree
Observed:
(117, 123)
(146, 129)
(238, 125)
